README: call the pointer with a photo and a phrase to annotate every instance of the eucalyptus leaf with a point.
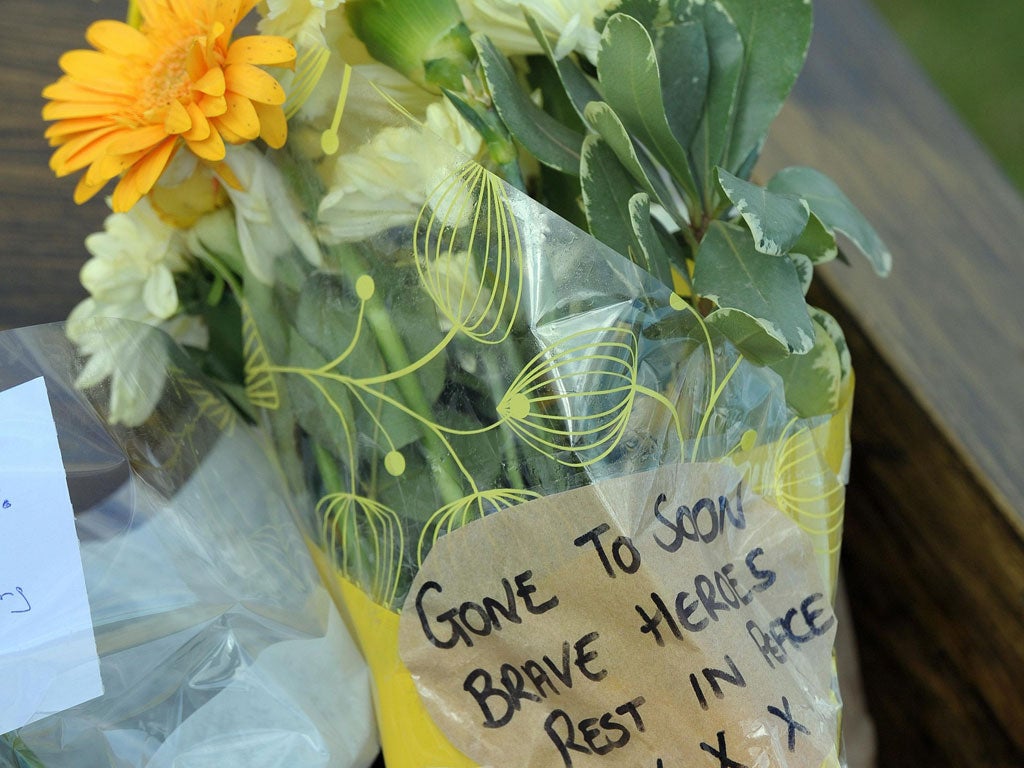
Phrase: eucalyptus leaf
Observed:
(813, 380)
(835, 332)
(627, 70)
(544, 137)
(835, 211)
(776, 34)
(733, 274)
(607, 189)
(682, 52)
(775, 220)
(578, 87)
(816, 242)
(725, 57)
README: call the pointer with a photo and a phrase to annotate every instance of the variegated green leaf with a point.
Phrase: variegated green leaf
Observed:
(683, 64)
(651, 253)
(578, 87)
(627, 69)
(750, 336)
(607, 189)
(813, 380)
(603, 119)
(544, 137)
(816, 242)
(733, 274)
(775, 220)
(804, 270)
(835, 332)
(835, 210)
(725, 55)
(775, 35)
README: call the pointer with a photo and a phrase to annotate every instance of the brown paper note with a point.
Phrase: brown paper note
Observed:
(670, 619)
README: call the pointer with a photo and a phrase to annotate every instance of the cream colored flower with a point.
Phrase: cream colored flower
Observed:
(386, 182)
(131, 277)
(269, 222)
(132, 264)
(301, 21)
(569, 23)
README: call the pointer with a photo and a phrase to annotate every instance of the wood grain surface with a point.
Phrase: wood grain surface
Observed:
(934, 554)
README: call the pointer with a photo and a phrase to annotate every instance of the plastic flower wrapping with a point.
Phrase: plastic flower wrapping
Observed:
(495, 280)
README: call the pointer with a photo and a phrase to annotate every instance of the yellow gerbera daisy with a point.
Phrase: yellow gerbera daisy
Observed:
(126, 107)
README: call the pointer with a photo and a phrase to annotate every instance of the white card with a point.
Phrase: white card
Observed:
(48, 660)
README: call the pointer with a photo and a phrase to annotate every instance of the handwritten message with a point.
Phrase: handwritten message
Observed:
(667, 619)
(48, 659)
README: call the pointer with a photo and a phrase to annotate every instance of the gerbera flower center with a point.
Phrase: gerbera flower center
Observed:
(168, 78)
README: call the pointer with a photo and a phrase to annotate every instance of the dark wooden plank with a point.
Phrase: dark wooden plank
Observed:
(934, 544)
(948, 319)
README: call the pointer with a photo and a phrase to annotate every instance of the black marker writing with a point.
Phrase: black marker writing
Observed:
(18, 599)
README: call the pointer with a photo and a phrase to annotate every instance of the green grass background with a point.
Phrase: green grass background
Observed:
(974, 52)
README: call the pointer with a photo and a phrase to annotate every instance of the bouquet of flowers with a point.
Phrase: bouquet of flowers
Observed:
(497, 281)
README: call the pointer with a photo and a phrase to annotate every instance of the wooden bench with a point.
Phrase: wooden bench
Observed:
(934, 553)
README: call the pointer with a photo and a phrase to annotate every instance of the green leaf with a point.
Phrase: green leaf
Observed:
(648, 245)
(627, 69)
(607, 189)
(731, 272)
(682, 52)
(749, 336)
(544, 137)
(835, 332)
(775, 220)
(578, 87)
(813, 380)
(804, 270)
(816, 242)
(835, 210)
(775, 35)
(725, 54)
(607, 124)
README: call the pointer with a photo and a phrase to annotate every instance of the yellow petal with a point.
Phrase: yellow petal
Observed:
(259, 49)
(200, 129)
(63, 110)
(212, 148)
(65, 129)
(178, 119)
(92, 66)
(273, 126)
(138, 140)
(227, 175)
(68, 89)
(213, 106)
(212, 83)
(83, 150)
(118, 37)
(254, 83)
(142, 176)
(85, 191)
(241, 118)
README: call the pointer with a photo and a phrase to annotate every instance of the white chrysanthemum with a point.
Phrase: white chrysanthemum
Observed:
(570, 23)
(385, 182)
(133, 261)
(131, 277)
(269, 222)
